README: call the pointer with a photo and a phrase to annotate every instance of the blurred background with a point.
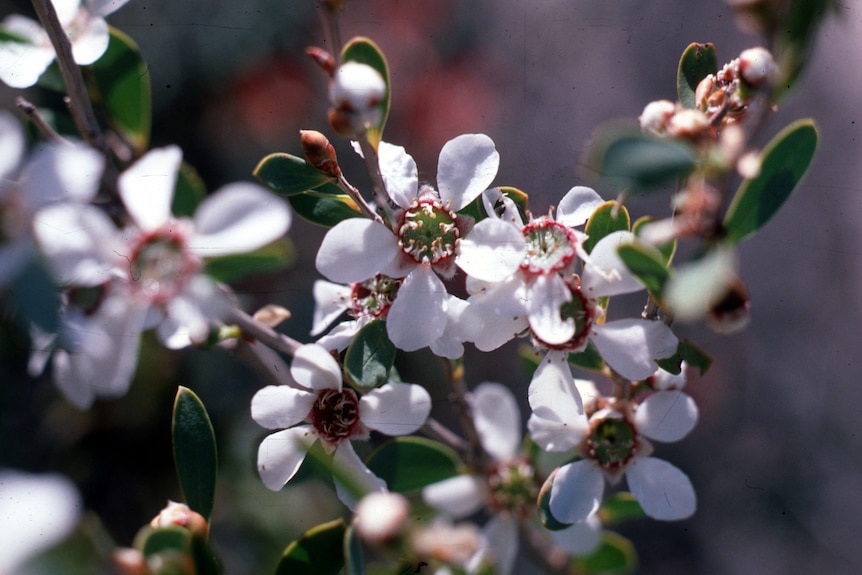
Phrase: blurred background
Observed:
(777, 456)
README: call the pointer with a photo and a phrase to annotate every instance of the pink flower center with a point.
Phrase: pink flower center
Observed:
(373, 297)
(428, 233)
(335, 415)
(551, 247)
(612, 442)
(583, 312)
(512, 487)
(161, 264)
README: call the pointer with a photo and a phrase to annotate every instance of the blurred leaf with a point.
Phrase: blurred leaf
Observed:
(795, 37)
(153, 541)
(319, 551)
(195, 454)
(667, 249)
(699, 284)
(646, 264)
(476, 208)
(589, 359)
(189, 191)
(354, 558)
(603, 222)
(36, 296)
(410, 463)
(621, 506)
(122, 80)
(628, 159)
(365, 51)
(691, 354)
(276, 255)
(697, 62)
(288, 175)
(6, 36)
(324, 209)
(543, 503)
(615, 555)
(369, 356)
(784, 162)
(529, 359)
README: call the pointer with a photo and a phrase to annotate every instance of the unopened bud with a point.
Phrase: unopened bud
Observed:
(453, 544)
(757, 66)
(356, 92)
(656, 115)
(692, 124)
(180, 515)
(381, 517)
(703, 91)
(272, 315)
(731, 313)
(319, 152)
(322, 58)
(129, 561)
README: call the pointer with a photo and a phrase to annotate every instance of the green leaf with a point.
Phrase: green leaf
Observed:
(276, 255)
(646, 264)
(796, 33)
(36, 296)
(122, 82)
(628, 159)
(667, 249)
(607, 218)
(783, 164)
(189, 191)
(621, 506)
(319, 551)
(686, 351)
(6, 36)
(324, 209)
(354, 558)
(589, 359)
(615, 555)
(159, 540)
(410, 463)
(370, 356)
(289, 175)
(476, 208)
(195, 454)
(696, 63)
(543, 503)
(365, 51)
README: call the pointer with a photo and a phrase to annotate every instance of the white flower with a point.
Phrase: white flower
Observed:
(160, 256)
(356, 93)
(425, 242)
(507, 488)
(38, 511)
(610, 443)
(321, 409)
(22, 63)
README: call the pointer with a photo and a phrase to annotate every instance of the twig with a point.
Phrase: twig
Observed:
(34, 116)
(436, 429)
(357, 197)
(263, 333)
(373, 165)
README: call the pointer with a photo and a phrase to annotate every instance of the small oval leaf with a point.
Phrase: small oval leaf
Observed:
(324, 209)
(783, 164)
(410, 463)
(696, 63)
(646, 264)
(287, 175)
(616, 554)
(370, 356)
(195, 453)
(607, 218)
(543, 503)
(319, 551)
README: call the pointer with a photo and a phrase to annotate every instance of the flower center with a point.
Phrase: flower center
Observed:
(512, 487)
(161, 264)
(428, 233)
(373, 297)
(551, 247)
(583, 312)
(335, 414)
(612, 443)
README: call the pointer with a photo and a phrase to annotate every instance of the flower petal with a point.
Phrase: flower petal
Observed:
(492, 251)
(147, 187)
(90, 40)
(314, 368)
(630, 345)
(666, 416)
(578, 538)
(558, 422)
(362, 479)
(331, 300)
(12, 144)
(238, 218)
(451, 343)
(548, 294)
(466, 167)
(457, 496)
(399, 172)
(418, 314)
(497, 420)
(577, 206)
(281, 406)
(487, 328)
(22, 64)
(355, 250)
(501, 539)
(576, 491)
(395, 408)
(663, 491)
(280, 454)
(605, 274)
(60, 173)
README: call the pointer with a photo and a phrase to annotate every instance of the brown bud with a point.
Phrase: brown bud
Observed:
(341, 121)
(180, 515)
(322, 58)
(319, 152)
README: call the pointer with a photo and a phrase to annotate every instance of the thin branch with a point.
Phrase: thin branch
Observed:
(373, 165)
(357, 197)
(34, 116)
(263, 333)
(434, 428)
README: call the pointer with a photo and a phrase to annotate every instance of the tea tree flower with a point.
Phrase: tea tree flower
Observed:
(22, 63)
(610, 443)
(321, 409)
(425, 241)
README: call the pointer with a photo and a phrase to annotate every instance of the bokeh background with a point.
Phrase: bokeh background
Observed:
(777, 457)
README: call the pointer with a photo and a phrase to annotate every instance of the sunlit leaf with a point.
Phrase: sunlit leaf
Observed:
(695, 64)
(287, 175)
(324, 209)
(370, 356)
(607, 218)
(410, 463)
(319, 551)
(195, 454)
(646, 264)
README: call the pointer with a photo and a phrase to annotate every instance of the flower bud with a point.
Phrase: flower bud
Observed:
(356, 93)
(180, 515)
(129, 561)
(322, 58)
(381, 517)
(452, 544)
(703, 91)
(731, 313)
(756, 66)
(692, 124)
(319, 152)
(655, 117)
